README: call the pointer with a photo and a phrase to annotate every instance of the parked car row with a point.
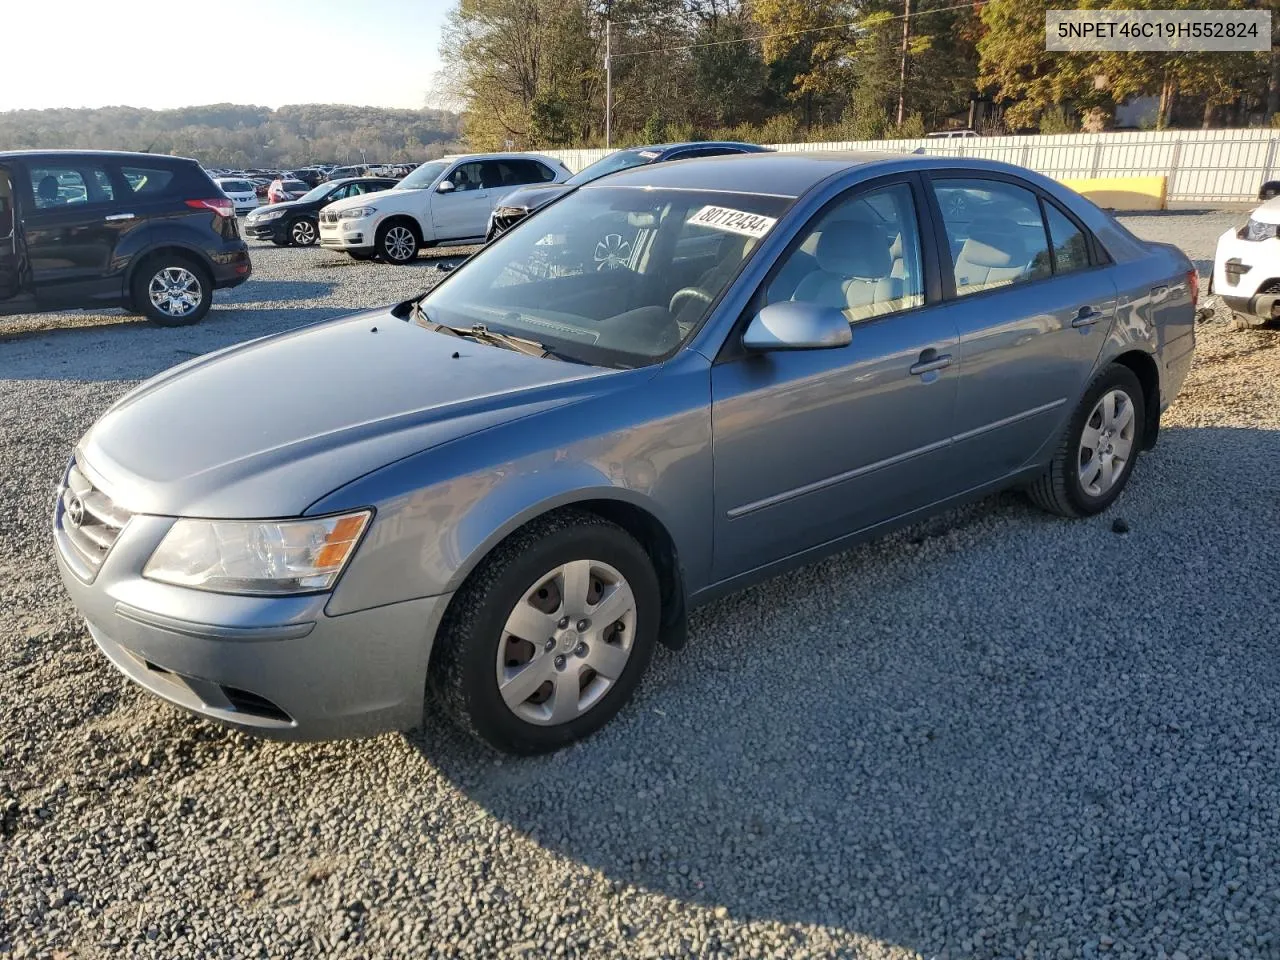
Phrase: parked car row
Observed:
(522, 481)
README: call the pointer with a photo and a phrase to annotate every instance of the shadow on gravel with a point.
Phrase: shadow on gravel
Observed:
(274, 291)
(984, 726)
(131, 348)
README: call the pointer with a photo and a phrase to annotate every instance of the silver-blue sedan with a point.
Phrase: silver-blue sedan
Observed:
(667, 385)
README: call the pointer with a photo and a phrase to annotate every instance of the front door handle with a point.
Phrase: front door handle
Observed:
(930, 360)
(119, 216)
(1087, 317)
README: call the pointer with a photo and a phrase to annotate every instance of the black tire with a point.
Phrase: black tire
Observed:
(462, 674)
(1059, 490)
(397, 242)
(154, 268)
(1269, 193)
(304, 232)
(362, 255)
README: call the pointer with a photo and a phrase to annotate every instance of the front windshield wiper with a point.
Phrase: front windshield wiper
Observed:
(482, 334)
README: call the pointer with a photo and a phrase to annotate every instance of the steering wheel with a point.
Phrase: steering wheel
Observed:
(688, 293)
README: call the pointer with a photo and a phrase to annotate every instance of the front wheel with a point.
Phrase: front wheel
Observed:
(1095, 458)
(397, 243)
(172, 292)
(302, 233)
(549, 637)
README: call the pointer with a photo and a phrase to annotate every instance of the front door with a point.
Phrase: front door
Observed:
(813, 445)
(463, 212)
(1033, 309)
(72, 219)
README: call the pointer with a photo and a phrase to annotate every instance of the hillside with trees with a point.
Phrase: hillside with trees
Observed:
(530, 72)
(234, 135)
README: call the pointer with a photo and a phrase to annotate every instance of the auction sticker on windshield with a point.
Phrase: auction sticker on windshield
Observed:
(734, 221)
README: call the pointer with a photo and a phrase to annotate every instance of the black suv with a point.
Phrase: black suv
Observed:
(90, 229)
(297, 221)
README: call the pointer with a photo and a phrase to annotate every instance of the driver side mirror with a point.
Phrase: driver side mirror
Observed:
(795, 325)
(446, 186)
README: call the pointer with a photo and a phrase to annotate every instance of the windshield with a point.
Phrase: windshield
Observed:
(615, 276)
(236, 186)
(317, 193)
(293, 186)
(620, 160)
(421, 178)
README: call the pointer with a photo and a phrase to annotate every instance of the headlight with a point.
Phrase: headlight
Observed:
(257, 556)
(357, 213)
(1257, 230)
(267, 215)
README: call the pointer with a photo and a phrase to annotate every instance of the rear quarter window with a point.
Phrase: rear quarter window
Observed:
(149, 181)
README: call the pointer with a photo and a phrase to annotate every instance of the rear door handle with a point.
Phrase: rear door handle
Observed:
(119, 216)
(929, 361)
(1087, 317)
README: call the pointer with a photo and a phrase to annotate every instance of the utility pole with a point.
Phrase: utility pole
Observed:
(902, 70)
(608, 83)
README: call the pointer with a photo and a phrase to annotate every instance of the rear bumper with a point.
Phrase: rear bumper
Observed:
(278, 667)
(232, 266)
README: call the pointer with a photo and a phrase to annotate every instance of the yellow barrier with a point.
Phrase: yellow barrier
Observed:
(1122, 193)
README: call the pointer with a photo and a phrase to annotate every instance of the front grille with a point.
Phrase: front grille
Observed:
(88, 519)
(327, 217)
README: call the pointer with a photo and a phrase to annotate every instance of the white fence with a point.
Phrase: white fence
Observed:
(1203, 166)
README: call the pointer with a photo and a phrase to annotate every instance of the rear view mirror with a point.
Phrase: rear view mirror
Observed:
(446, 186)
(794, 325)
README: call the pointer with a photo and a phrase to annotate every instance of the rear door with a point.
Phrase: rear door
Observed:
(74, 213)
(1033, 306)
(462, 212)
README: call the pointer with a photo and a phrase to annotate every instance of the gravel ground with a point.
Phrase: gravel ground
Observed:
(994, 735)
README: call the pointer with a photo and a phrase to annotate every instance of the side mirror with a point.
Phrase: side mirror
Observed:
(794, 325)
(446, 186)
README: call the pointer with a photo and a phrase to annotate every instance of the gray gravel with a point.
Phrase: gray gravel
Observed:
(993, 735)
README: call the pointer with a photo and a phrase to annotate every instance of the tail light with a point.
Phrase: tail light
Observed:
(1193, 284)
(222, 206)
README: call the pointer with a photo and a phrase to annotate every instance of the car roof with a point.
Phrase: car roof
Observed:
(686, 144)
(510, 155)
(779, 174)
(113, 154)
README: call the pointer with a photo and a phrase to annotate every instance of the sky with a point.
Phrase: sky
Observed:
(173, 53)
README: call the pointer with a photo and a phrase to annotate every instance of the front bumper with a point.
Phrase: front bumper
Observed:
(347, 234)
(274, 666)
(1246, 274)
(266, 230)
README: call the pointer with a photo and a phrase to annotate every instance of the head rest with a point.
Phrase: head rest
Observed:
(994, 243)
(853, 249)
(48, 187)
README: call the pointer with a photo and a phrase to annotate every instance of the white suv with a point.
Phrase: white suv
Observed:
(442, 202)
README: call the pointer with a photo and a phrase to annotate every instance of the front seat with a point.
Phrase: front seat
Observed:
(47, 190)
(991, 256)
(853, 273)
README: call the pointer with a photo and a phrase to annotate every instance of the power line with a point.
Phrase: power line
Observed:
(795, 33)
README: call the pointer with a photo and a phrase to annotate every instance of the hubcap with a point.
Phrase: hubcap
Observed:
(398, 243)
(175, 291)
(1106, 444)
(566, 642)
(303, 232)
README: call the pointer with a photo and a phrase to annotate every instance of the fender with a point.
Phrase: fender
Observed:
(135, 246)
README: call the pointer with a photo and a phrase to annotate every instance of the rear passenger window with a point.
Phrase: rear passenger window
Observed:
(148, 181)
(862, 257)
(1070, 251)
(995, 232)
(64, 185)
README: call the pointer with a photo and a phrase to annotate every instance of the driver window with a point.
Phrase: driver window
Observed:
(862, 257)
(466, 176)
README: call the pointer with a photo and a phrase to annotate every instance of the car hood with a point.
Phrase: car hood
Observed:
(383, 200)
(531, 198)
(268, 207)
(266, 428)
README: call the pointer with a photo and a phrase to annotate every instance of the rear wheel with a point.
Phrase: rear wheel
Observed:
(302, 233)
(549, 637)
(172, 291)
(1096, 455)
(397, 243)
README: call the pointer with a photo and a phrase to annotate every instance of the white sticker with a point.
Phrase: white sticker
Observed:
(733, 221)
